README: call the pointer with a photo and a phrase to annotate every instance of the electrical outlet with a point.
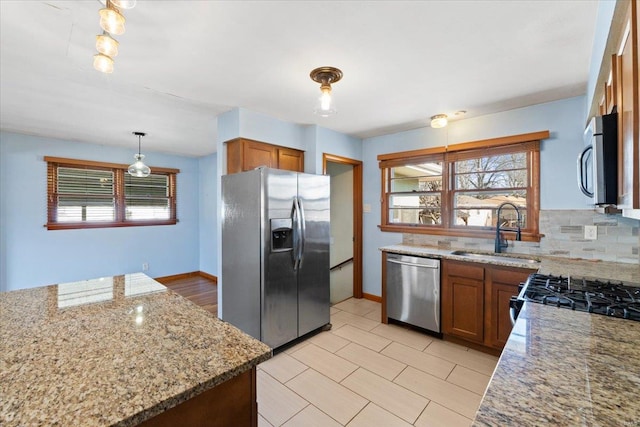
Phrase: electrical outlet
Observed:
(591, 232)
(145, 266)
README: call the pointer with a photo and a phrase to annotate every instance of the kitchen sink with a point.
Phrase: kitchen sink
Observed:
(496, 258)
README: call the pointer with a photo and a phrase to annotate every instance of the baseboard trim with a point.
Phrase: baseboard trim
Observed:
(186, 276)
(208, 276)
(372, 297)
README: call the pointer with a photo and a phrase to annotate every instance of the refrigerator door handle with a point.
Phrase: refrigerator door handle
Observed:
(303, 233)
(297, 235)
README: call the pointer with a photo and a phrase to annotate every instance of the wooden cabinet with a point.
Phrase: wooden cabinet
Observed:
(475, 301)
(245, 154)
(232, 403)
(463, 300)
(501, 283)
(628, 94)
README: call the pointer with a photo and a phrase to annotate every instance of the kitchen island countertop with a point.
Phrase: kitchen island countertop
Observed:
(111, 351)
(564, 367)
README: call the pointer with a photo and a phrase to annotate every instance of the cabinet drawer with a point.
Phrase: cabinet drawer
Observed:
(464, 269)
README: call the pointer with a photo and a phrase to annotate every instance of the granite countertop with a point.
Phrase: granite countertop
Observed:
(111, 351)
(563, 367)
(559, 366)
(518, 261)
(557, 266)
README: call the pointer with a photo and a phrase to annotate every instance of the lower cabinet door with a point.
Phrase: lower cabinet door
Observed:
(463, 308)
(501, 284)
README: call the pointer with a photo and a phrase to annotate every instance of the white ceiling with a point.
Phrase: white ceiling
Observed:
(182, 63)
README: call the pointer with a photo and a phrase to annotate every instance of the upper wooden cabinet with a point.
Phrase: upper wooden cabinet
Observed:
(628, 93)
(245, 154)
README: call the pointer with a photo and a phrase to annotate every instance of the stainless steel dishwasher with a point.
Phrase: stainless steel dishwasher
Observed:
(413, 290)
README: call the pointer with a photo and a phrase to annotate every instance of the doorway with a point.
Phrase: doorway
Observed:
(346, 226)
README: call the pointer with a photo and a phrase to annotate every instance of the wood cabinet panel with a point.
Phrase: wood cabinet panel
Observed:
(475, 301)
(291, 160)
(463, 300)
(257, 154)
(245, 154)
(628, 94)
(500, 285)
(232, 403)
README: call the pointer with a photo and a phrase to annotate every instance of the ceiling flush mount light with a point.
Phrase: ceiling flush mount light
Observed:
(325, 76)
(139, 169)
(439, 121)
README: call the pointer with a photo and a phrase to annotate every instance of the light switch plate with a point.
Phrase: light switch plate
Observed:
(591, 232)
(366, 207)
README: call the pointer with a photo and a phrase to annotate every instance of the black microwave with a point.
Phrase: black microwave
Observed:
(598, 162)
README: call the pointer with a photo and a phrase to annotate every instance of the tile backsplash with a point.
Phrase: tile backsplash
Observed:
(618, 238)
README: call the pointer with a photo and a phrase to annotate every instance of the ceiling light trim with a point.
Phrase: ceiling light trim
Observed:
(439, 121)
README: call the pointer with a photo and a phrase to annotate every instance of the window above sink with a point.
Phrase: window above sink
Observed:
(456, 190)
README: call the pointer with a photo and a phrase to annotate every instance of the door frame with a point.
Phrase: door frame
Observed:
(357, 215)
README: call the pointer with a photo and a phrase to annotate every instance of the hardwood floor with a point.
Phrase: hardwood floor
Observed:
(198, 289)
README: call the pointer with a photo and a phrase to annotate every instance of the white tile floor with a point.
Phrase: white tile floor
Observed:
(365, 373)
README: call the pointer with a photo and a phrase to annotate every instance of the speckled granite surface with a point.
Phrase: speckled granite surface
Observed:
(427, 251)
(629, 273)
(111, 351)
(566, 368)
(562, 367)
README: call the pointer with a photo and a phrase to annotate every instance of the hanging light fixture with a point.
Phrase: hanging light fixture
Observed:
(439, 121)
(107, 45)
(121, 4)
(111, 20)
(107, 48)
(139, 169)
(103, 63)
(325, 76)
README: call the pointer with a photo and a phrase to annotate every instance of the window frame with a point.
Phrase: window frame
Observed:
(529, 143)
(119, 171)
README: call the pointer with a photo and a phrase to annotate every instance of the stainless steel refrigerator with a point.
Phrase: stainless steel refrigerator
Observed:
(275, 253)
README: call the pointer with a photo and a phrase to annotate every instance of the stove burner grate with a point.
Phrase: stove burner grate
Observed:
(594, 296)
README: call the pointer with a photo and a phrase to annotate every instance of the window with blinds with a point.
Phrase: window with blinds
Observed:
(457, 190)
(87, 194)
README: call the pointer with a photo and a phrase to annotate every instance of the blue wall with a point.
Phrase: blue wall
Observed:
(564, 119)
(33, 256)
(208, 171)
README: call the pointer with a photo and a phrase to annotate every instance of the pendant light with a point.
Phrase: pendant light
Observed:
(111, 20)
(103, 63)
(325, 76)
(139, 169)
(107, 45)
(121, 4)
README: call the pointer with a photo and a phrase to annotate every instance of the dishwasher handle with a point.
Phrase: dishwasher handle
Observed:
(434, 267)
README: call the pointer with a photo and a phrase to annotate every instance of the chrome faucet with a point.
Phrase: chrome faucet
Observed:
(500, 243)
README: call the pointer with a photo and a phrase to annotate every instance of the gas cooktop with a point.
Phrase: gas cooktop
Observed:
(594, 296)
